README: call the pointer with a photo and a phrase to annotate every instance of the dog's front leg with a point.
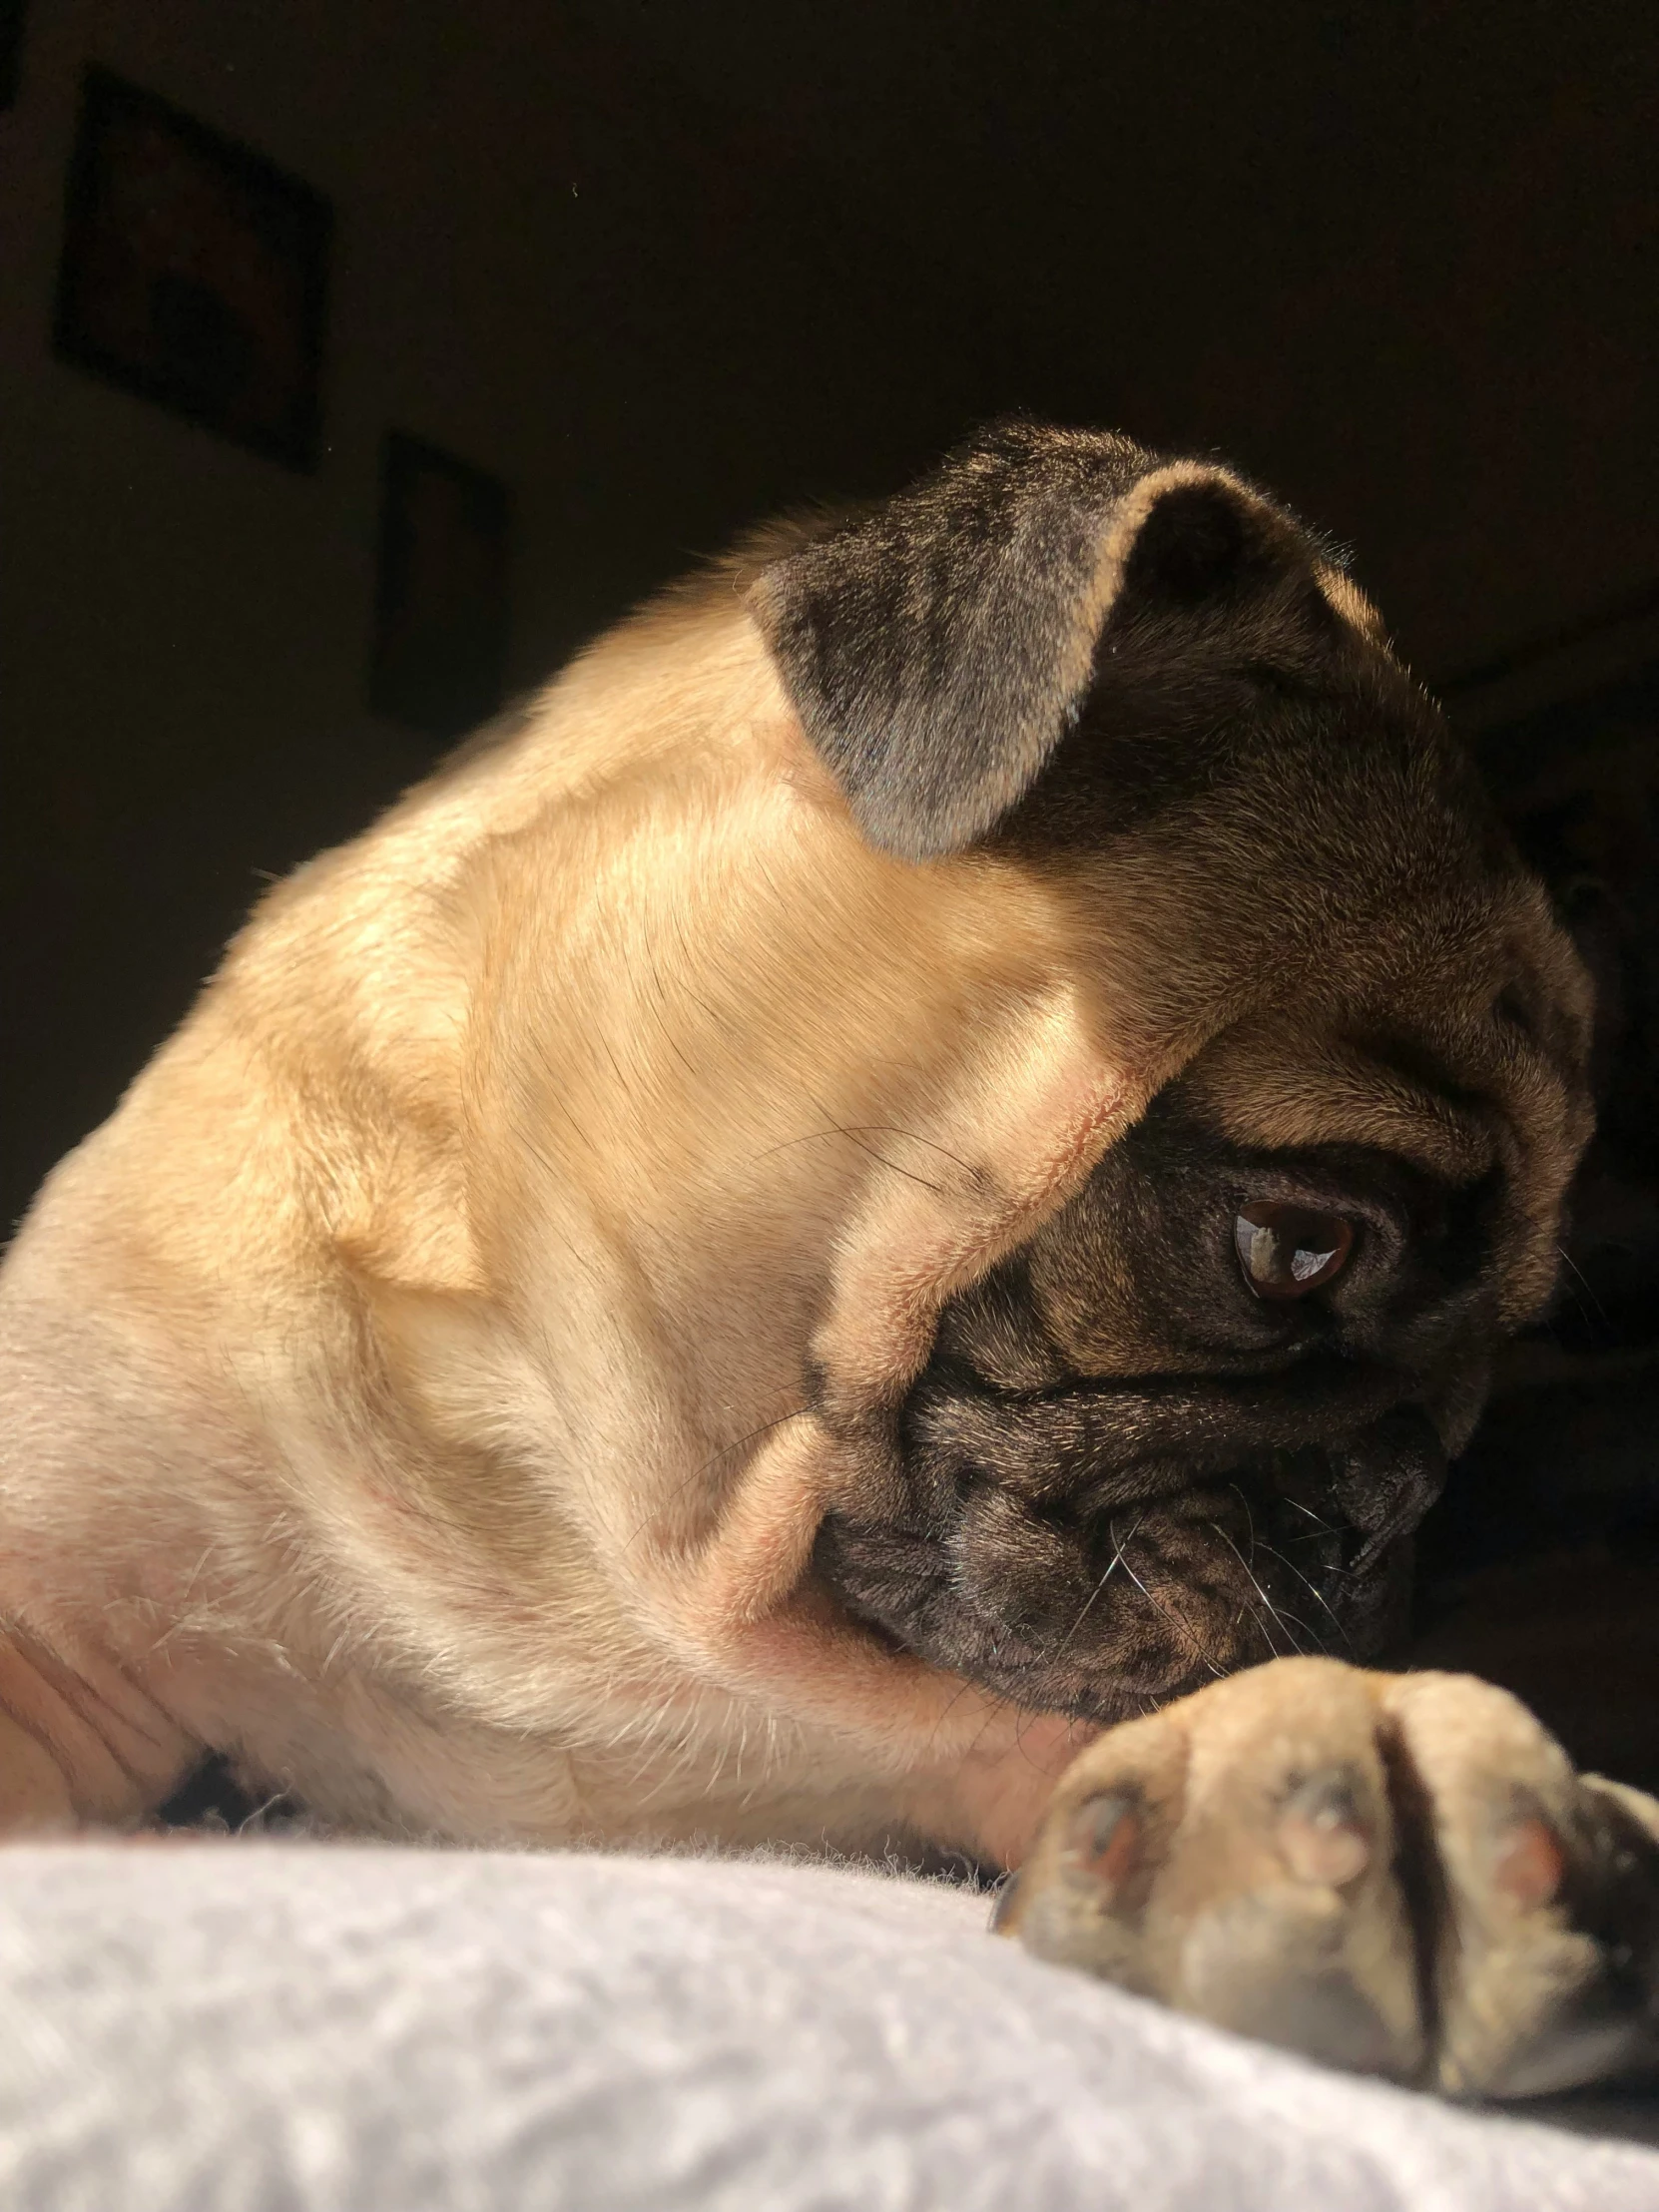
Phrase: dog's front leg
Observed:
(993, 1800)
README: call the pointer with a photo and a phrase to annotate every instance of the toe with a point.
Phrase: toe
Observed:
(1277, 1914)
(1235, 1857)
(1538, 1894)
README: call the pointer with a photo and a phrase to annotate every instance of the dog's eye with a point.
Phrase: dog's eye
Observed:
(1287, 1251)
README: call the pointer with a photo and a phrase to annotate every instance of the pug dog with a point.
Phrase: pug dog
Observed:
(921, 1160)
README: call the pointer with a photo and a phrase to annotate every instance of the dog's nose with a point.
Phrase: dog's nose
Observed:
(1336, 1516)
(1387, 1477)
(1381, 1481)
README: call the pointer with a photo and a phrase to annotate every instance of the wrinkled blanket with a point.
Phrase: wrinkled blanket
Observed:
(266, 2026)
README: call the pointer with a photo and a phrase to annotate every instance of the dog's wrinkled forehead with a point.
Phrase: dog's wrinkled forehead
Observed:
(939, 649)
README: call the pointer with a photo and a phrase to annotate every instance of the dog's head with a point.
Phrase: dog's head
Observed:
(1190, 1416)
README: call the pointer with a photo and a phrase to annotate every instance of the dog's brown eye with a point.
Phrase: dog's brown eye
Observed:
(1287, 1251)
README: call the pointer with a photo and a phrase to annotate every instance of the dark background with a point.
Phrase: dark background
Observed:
(659, 266)
(662, 264)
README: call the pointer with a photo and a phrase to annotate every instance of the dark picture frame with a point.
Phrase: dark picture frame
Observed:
(195, 272)
(441, 598)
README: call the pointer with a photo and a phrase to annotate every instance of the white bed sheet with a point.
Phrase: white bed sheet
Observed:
(265, 2027)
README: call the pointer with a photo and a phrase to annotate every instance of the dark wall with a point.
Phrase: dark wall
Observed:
(1397, 259)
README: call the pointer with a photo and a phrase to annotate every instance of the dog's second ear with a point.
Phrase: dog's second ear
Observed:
(937, 649)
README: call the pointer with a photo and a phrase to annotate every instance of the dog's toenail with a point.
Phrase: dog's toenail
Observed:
(1103, 1838)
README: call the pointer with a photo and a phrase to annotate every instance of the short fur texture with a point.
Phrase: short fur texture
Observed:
(652, 1287)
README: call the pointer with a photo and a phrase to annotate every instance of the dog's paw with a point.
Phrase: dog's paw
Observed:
(1398, 1874)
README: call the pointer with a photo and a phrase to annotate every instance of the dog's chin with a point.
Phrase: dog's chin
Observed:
(1107, 1612)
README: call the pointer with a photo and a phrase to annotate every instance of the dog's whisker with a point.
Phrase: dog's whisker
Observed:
(955, 1699)
(1264, 1626)
(657, 1006)
(1274, 1611)
(1313, 1590)
(1250, 1519)
(841, 1129)
(1324, 1527)
(856, 1131)
(1589, 1291)
(914, 1136)
(1112, 1566)
(1193, 1640)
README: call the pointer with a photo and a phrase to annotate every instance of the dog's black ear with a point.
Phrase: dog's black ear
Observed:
(937, 649)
